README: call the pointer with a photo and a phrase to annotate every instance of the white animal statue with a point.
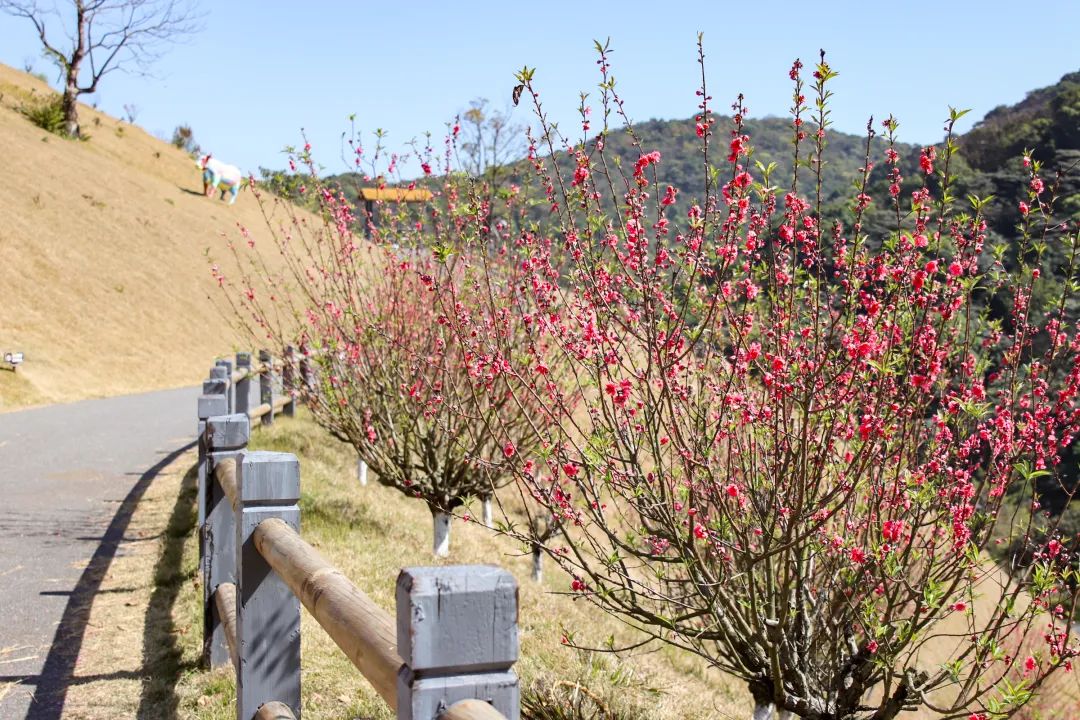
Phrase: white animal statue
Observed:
(221, 176)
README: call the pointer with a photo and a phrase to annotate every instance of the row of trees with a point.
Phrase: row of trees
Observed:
(757, 432)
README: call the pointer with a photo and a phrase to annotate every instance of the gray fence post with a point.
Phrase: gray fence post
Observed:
(220, 372)
(288, 381)
(242, 392)
(225, 437)
(210, 404)
(228, 366)
(268, 617)
(457, 635)
(266, 385)
(216, 386)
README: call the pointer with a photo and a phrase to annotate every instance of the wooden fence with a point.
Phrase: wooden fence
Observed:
(447, 656)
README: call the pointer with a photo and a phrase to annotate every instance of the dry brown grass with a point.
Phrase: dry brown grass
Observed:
(103, 267)
(370, 533)
(149, 623)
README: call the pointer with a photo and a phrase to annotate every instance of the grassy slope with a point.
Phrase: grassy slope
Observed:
(103, 273)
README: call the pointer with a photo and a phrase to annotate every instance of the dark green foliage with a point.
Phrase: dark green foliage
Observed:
(288, 186)
(1046, 121)
(184, 138)
(46, 112)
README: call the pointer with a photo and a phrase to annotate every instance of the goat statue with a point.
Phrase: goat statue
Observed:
(221, 176)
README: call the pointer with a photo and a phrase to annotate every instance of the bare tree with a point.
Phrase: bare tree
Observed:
(489, 142)
(102, 36)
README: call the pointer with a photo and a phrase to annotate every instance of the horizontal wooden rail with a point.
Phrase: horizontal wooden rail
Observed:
(225, 474)
(364, 631)
(449, 653)
(471, 710)
(225, 598)
(279, 403)
(275, 711)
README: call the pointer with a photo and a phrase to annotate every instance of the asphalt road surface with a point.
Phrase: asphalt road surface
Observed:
(70, 477)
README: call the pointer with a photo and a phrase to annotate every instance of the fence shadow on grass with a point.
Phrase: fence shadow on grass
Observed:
(57, 674)
(163, 661)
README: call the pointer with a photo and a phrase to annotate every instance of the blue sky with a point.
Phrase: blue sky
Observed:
(261, 71)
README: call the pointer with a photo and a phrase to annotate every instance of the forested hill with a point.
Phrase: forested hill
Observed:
(1047, 121)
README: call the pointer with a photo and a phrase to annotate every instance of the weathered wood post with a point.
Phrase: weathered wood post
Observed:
(220, 372)
(268, 624)
(241, 401)
(288, 381)
(266, 385)
(225, 437)
(457, 635)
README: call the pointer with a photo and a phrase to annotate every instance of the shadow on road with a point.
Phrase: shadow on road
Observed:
(57, 674)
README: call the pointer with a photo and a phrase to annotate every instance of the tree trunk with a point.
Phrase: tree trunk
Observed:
(442, 533)
(785, 715)
(538, 564)
(763, 711)
(361, 471)
(71, 107)
(487, 511)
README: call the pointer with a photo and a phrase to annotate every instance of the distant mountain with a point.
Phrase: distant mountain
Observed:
(1047, 121)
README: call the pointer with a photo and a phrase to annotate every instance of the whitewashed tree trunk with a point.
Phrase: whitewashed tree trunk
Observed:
(487, 511)
(442, 534)
(537, 565)
(361, 471)
(763, 711)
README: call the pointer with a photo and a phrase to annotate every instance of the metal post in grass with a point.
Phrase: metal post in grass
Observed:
(268, 613)
(266, 385)
(457, 636)
(242, 391)
(225, 437)
(288, 381)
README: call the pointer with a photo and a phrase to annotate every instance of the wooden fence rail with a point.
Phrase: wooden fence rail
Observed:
(449, 653)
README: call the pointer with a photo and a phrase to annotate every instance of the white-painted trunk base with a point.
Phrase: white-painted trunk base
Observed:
(487, 511)
(361, 471)
(538, 566)
(763, 711)
(442, 534)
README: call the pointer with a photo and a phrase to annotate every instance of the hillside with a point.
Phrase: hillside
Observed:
(104, 276)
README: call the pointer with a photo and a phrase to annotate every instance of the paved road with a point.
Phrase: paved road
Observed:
(70, 476)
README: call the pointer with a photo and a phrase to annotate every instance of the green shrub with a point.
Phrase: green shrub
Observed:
(46, 112)
(184, 138)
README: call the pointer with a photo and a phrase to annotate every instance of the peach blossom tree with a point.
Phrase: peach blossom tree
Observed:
(780, 443)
